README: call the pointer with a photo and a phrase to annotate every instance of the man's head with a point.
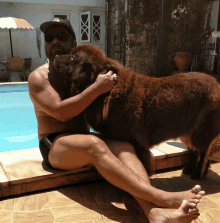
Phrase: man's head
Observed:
(59, 37)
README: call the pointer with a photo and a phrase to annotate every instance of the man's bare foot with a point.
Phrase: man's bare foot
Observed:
(175, 199)
(187, 212)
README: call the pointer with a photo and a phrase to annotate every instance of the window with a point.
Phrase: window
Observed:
(90, 27)
(96, 27)
(63, 14)
(85, 27)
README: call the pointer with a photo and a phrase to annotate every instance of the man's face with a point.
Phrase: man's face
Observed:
(57, 46)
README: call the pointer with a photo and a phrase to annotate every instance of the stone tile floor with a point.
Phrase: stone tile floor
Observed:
(100, 202)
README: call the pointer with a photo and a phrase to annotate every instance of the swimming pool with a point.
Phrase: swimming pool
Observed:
(18, 124)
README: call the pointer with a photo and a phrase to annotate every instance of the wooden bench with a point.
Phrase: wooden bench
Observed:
(169, 154)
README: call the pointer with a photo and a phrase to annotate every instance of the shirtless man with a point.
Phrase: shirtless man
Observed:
(65, 142)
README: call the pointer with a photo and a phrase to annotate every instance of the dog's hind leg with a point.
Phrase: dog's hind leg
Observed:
(201, 143)
(192, 156)
(195, 162)
(196, 156)
(197, 147)
(199, 137)
(191, 164)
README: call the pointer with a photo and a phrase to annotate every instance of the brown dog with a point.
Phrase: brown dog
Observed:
(145, 110)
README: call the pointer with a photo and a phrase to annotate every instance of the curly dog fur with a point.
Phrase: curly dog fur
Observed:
(146, 110)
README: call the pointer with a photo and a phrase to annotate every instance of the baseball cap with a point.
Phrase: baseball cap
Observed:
(57, 21)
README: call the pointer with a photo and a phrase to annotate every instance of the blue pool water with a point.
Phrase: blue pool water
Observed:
(18, 124)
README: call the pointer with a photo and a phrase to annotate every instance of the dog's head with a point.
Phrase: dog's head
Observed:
(83, 65)
(90, 62)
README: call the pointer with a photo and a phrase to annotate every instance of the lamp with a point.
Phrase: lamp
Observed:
(215, 34)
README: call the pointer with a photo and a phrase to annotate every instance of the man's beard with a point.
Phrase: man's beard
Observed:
(52, 53)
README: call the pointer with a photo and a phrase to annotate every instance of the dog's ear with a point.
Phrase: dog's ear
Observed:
(88, 73)
(83, 76)
(113, 65)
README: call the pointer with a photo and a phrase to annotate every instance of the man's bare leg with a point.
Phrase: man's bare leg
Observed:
(185, 213)
(75, 151)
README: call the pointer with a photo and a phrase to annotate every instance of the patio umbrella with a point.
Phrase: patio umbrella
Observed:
(14, 23)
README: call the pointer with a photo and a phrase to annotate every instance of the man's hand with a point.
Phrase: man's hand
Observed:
(105, 82)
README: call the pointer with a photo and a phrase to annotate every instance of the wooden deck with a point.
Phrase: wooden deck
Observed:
(169, 154)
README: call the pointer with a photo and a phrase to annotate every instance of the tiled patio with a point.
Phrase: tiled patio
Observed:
(89, 202)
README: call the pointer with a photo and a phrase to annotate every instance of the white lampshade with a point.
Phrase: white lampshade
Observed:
(216, 34)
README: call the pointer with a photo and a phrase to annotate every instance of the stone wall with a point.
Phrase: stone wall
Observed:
(132, 34)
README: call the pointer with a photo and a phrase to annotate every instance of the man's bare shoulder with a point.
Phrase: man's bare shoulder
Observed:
(39, 77)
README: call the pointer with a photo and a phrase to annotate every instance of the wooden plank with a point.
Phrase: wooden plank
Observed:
(171, 162)
(171, 150)
(157, 154)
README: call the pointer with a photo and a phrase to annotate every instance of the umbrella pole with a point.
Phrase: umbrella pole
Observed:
(10, 42)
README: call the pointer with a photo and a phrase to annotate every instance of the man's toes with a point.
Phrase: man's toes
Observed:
(193, 211)
(195, 201)
(192, 206)
(198, 196)
(195, 216)
(202, 193)
(184, 206)
(196, 189)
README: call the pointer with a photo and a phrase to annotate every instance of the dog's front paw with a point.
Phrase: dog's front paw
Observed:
(195, 174)
(186, 170)
(62, 63)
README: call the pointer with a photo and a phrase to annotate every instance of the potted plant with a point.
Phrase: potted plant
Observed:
(183, 61)
(188, 30)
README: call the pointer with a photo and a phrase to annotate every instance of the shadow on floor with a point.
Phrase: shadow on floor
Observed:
(210, 183)
(112, 202)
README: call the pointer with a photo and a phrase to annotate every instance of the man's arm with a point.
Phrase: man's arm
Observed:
(43, 95)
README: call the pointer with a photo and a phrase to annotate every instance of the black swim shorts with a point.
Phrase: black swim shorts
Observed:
(45, 144)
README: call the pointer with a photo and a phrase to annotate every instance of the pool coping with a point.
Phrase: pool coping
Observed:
(20, 174)
(13, 83)
(24, 171)
(34, 184)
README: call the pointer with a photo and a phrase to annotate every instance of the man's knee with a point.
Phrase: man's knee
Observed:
(95, 146)
(122, 147)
